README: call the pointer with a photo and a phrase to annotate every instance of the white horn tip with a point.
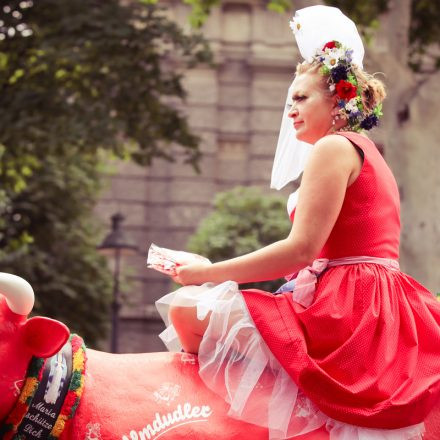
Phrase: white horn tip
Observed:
(18, 293)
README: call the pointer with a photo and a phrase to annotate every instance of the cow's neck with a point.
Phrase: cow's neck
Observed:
(50, 395)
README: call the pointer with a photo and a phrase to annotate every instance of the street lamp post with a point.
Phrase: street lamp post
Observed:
(116, 244)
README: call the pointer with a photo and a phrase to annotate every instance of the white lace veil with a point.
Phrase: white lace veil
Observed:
(313, 27)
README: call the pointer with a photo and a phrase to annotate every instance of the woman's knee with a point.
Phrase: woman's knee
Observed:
(179, 315)
(184, 319)
(188, 327)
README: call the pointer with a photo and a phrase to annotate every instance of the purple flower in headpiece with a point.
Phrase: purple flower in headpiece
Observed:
(369, 122)
(355, 114)
(339, 72)
(349, 55)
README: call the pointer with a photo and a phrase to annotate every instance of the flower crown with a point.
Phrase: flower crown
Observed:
(336, 65)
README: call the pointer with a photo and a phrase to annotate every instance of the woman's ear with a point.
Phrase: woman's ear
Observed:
(335, 99)
(335, 111)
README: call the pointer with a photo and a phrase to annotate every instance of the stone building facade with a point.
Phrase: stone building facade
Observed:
(236, 109)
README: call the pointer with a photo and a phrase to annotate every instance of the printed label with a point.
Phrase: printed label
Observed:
(93, 431)
(188, 358)
(163, 423)
(166, 393)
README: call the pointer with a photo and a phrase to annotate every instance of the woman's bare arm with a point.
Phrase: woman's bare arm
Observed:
(332, 166)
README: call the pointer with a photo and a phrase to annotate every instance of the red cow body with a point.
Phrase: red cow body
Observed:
(126, 396)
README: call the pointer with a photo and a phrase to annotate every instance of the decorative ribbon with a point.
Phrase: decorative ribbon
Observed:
(43, 411)
(32, 415)
(306, 279)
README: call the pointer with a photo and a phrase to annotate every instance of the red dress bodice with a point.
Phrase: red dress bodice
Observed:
(369, 220)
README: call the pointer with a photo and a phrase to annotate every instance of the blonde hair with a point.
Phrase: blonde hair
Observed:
(373, 89)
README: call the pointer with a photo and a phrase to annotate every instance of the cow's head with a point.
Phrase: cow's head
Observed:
(22, 338)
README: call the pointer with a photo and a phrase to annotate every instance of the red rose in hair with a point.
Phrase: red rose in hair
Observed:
(330, 45)
(346, 90)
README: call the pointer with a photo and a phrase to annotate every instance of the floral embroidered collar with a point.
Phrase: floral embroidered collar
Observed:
(36, 418)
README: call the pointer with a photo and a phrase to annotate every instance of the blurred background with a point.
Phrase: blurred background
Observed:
(130, 122)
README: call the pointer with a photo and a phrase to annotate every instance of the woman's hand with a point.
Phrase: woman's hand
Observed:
(192, 274)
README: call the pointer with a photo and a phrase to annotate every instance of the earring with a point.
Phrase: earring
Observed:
(334, 120)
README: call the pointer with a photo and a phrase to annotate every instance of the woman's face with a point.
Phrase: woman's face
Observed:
(312, 110)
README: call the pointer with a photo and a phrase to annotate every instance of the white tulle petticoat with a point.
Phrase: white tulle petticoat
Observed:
(236, 363)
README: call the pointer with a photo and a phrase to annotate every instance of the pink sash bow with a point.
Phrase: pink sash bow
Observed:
(306, 279)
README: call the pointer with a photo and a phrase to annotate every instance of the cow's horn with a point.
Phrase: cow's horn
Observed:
(18, 293)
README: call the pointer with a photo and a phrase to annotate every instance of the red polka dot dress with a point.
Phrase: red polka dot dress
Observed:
(360, 360)
(367, 350)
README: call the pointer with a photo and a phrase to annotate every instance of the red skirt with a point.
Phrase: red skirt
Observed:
(271, 384)
(366, 351)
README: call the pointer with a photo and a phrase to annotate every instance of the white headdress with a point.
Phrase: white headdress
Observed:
(313, 27)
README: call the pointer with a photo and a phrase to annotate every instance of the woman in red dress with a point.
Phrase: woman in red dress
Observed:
(352, 344)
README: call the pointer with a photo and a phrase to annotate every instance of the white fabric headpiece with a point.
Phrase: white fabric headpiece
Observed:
(313, 27)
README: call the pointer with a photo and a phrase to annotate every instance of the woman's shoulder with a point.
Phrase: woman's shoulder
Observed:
(341, 153)
(346, 134)
(359, 139)
(334, 145)
(331, 156)
(350, 139)
(332, 141)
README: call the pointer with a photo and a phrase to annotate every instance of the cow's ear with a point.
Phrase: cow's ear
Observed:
(44, 336)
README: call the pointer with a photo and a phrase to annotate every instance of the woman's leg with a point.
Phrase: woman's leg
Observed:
(183, 314)
(189, 328)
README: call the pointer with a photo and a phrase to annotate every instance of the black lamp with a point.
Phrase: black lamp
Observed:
(116, 244)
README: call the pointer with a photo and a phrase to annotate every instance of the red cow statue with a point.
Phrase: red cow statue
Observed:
(52, 388)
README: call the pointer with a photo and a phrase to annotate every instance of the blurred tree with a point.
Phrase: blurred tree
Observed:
(243, 221)
(81, 81)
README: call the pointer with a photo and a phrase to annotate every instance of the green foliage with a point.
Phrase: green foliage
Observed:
(48, 239)
(378, 110)
(279, 6)
(80, 81)
(424, 34)
(200, 10)
(100, 71)
(243, 221)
